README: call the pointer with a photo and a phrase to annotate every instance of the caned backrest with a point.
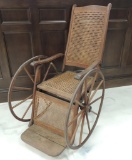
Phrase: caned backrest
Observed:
(86, 36)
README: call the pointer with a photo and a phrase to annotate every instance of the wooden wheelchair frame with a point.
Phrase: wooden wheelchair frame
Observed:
(61, 106)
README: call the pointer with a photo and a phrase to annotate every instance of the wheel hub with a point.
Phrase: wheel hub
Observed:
(88, 108)
(85, 107)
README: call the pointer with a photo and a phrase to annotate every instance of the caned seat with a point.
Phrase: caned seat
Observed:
(62, 85)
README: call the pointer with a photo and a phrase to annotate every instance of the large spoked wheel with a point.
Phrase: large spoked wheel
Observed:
(87, 100)
(22, 82)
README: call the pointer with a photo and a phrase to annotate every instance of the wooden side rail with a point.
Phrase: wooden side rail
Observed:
(92, 66)
(47, 60)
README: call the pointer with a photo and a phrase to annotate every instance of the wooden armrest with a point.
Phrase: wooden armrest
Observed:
(46, 60)
(81, 74)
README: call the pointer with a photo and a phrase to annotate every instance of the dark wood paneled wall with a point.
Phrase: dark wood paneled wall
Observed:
(33, 27)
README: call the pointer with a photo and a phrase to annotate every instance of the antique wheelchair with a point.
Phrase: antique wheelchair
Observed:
(64, 109)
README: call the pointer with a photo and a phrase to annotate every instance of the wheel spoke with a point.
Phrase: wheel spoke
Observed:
(22, 88)
(74, 133)
(93, 82)
(27, 109)
(21, 102)
(79, 103)
(95, 100)
(29, 75)
(95, 90)
(81, 112)
(54, 67)
(94, 112)
(80, 140)
(87, 121)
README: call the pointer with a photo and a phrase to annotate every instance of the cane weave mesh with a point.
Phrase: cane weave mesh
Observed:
(52, 114)
(85, 38)
(62, 85)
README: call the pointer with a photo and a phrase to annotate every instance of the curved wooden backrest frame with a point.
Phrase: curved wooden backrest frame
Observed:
(87, 33)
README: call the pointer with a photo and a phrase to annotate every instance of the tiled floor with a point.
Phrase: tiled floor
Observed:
(111, 139)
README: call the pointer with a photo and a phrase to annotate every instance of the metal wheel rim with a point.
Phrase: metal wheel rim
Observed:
(12, 84)
(70, 106)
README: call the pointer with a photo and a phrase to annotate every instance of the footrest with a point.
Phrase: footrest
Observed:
(44, 140)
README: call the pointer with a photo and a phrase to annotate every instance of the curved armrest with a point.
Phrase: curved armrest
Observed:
(46, 60)
(80, 75)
